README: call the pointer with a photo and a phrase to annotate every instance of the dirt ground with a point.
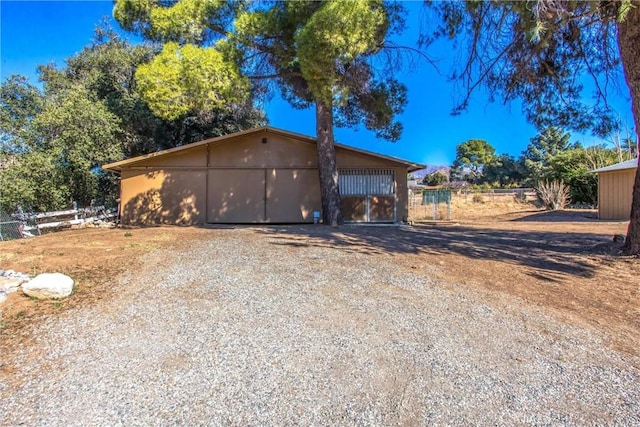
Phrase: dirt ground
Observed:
(565, 263)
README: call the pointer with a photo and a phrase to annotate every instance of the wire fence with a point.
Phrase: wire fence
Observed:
(21, 224)
(432, 205)
(11, 227)
(436, 204)
(498, 194)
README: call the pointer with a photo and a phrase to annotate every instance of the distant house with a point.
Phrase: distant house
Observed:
(615, 190)
(261, 175)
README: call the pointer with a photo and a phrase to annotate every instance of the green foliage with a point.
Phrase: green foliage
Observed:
(504, 171)
(482, 186)
(182, 79)
(471, 156)
(62, 145)
(20, 102)
(185, 21)
(33, 181)
(337, 32)
(310, 50)
(435, 178)
(549, 157)
(540, 51)
(91, 112)
(542, 149)
(80, 134)
(108, 67)
(573, 166)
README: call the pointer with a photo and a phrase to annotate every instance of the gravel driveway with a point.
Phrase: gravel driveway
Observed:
(261, 327)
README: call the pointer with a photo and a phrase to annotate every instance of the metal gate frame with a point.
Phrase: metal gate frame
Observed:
(370, 178)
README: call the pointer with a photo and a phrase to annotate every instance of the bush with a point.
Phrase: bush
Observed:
(483, 186)
(434, 179)
(554, 195)
(477, 198)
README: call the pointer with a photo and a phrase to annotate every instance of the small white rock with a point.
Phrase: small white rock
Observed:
(49, 285)
(11, 284)
(3, 296)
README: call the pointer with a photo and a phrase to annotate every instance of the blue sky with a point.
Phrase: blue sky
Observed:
(42, 32)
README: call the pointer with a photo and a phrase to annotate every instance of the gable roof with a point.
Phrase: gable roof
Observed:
(629, 164)
(117, 166)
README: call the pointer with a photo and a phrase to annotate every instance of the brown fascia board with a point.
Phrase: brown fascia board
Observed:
(117, 166)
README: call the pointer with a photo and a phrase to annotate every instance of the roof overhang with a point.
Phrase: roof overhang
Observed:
(118, 166)
(629, 164)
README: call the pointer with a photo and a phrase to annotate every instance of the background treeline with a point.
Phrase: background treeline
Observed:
(54, 138)
(549, 156)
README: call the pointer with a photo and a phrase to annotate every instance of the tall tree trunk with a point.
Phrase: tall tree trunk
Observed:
(331, 212)
(629, 45)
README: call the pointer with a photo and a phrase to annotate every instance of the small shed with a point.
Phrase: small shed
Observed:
(615, 190)
(262, 175)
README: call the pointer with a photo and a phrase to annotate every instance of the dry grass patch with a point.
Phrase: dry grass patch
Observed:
(471, 207)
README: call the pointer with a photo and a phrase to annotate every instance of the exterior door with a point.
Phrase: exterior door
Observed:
(368, 195)
(292, 195)
(246, 196)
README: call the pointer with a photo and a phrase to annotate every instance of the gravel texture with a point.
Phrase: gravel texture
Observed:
(264, 327)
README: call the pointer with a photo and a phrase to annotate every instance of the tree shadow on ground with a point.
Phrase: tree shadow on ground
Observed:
(549, 253)
(561, 216)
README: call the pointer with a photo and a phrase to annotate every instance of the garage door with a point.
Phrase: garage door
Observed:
(292, 195)
(262, 195)
(236, 196)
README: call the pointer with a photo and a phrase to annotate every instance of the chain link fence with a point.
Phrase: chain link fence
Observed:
(10, 227)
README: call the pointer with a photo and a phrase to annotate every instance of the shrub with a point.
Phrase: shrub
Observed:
(477, 198)
(434, 179)
(554, 195)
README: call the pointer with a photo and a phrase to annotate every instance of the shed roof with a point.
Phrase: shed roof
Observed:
(629, 164)
(117, 166)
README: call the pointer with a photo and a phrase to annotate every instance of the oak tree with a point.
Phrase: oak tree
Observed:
(471, 156)
(90, 112)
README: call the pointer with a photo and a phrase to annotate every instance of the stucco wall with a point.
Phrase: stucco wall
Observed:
(248, 151)
(163, 196)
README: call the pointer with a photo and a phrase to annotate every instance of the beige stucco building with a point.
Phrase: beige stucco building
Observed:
(615, 190)
(262, 175)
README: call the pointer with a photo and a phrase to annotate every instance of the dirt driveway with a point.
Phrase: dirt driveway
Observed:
(498, 322)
